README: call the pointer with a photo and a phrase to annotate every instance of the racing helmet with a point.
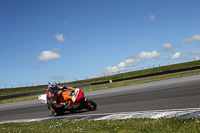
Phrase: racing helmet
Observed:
(53, 86)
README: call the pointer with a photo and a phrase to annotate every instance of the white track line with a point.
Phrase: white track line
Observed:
(153, 114)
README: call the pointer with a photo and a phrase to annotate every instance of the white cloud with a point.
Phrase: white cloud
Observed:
(192, 38)
(59, 37)
(48, 55)
(131, 62)
(196, 52)
(148, 55)
(122, 66)
(177, 55)
(167, 47)
(152, 17)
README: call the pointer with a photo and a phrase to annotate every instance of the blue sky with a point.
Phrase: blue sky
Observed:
(64, 40)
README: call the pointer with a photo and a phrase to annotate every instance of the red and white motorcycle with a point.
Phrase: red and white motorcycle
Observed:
(58, 103)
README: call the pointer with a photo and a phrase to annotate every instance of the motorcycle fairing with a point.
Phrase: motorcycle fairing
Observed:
(78, 94)
(43, 98)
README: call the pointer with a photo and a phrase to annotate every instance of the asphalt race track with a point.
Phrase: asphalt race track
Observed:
(161, 95)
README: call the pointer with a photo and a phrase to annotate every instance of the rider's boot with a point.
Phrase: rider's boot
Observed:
(54, 112)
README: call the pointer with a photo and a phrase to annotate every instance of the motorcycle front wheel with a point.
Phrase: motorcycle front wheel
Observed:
(90, 105)
(58, 111)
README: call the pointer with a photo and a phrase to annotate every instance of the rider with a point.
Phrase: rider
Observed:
(57, 90)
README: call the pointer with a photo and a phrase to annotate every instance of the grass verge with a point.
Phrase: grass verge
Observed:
(164, 125)
(116, 84)
(18, 99)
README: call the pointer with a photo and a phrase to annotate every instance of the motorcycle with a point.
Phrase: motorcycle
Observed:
(58, 104)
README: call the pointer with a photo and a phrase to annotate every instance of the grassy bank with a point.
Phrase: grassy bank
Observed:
(106, 78)
(164, 125)
(18, 99)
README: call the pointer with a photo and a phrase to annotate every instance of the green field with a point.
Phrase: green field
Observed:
(143, 125)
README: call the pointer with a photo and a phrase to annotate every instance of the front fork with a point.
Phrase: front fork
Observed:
(50, 104)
